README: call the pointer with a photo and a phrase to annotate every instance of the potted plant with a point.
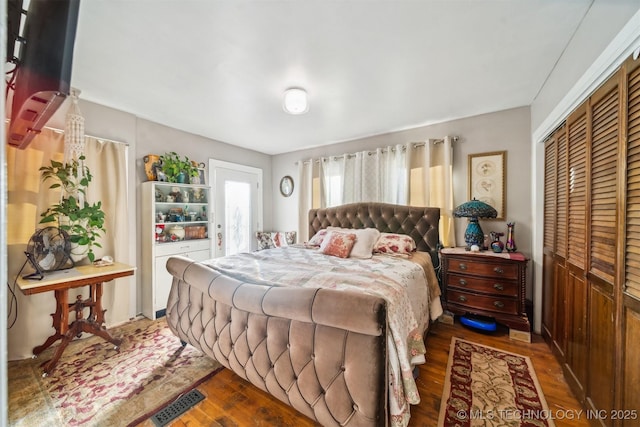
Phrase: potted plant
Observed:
(176, 168)
(84, 222)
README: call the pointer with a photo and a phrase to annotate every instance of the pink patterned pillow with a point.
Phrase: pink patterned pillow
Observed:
(338, 244)
(366, 239)
(317, 238)
(394, 244)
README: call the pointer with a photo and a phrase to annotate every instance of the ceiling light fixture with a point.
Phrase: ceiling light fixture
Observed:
(295, 101)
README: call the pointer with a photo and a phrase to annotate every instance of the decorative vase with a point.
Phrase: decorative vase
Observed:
(496, 245)
(181, 178)
(78, 252)
(176, 233)
(151, 164)
(510, 245)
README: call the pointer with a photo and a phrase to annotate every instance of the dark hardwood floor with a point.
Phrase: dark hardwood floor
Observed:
(231, 401)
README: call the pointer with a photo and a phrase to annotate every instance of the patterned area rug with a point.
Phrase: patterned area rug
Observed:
(489, 387)
(95, 385)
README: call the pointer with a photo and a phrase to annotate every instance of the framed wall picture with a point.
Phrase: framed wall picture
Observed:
(487, 180)
(286, 186)
(202, 175)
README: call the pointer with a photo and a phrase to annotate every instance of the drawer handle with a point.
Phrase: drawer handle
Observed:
(462, 298)
(499, 304)
(463, 266)
(498, 287)
(498, 270)
(462, 282)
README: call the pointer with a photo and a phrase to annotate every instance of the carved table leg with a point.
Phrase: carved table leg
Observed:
(96, 321)
(60, 321)
(66, 339)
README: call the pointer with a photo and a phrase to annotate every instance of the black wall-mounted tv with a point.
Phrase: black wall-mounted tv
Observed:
(43, 78)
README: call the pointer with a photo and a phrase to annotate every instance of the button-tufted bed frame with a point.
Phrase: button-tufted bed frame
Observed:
(321, 351)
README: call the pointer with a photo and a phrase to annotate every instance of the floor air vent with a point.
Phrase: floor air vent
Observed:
(177, 408)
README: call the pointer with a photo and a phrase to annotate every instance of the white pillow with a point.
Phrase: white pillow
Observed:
(366, 239)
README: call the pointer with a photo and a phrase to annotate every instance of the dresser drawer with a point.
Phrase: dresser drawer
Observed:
(484, 269)
(181, 247)
(491, 286)
(483, 302)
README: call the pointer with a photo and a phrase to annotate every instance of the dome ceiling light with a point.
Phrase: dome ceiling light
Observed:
(295, 101)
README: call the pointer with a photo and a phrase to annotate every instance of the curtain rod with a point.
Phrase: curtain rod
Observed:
(433, 141)
(90, 136)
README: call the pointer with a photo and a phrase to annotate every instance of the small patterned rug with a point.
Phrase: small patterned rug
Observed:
(485, 386)
(96, 385)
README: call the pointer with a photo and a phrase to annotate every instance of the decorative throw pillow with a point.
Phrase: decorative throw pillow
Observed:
(279, 240)
(338, 244)
(290, 237)
(317, 238)
(395, 244)
(264, 240)
(366, 239)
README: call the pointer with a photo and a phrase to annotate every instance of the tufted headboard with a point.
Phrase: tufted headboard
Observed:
(419, 223)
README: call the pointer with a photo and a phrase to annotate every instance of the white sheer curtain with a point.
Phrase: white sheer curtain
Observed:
(417, 174)
(367, 176)
(28, 197)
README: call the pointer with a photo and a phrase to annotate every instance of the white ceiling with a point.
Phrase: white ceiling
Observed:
(219, 68)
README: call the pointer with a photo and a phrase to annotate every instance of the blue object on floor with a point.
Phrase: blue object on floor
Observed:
(482, 323)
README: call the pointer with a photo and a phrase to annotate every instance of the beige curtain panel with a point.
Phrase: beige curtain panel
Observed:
(28, 197)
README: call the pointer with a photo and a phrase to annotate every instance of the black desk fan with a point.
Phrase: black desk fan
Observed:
(49, 249)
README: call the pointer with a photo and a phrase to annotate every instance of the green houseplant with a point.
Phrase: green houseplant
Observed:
(176, 168)
(84, 222)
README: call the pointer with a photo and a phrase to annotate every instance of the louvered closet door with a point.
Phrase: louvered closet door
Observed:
(605, 145)
(549, 238)
(561, 303)
(576, 256)
(577, 134)
(633, 186)
(550, 191)
(631, 297)
(605, 128)
(562, 193)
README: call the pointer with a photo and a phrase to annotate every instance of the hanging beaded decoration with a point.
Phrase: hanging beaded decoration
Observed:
(74, 142)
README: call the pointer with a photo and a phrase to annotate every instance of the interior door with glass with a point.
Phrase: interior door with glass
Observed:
(237, 207)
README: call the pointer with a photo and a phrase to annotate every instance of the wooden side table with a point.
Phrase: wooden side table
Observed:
(487, 284)
(60, 282)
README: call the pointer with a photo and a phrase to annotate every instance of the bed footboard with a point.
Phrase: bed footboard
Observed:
(321, 351)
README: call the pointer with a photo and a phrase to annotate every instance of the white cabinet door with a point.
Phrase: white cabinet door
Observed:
(163, 284)
(164, 278)
(199, 255)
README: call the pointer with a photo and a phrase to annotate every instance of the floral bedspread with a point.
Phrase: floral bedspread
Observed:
(400, 281)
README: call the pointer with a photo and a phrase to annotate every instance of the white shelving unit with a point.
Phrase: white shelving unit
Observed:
(175, 221)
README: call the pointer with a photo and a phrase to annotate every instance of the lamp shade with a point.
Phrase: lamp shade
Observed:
(474, 209)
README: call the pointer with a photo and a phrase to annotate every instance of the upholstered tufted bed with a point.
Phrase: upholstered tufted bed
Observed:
(338, 349)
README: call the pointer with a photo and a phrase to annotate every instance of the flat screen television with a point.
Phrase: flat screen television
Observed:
(43, 78)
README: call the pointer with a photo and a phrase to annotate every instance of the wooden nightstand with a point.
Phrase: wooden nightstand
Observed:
(487, 284)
